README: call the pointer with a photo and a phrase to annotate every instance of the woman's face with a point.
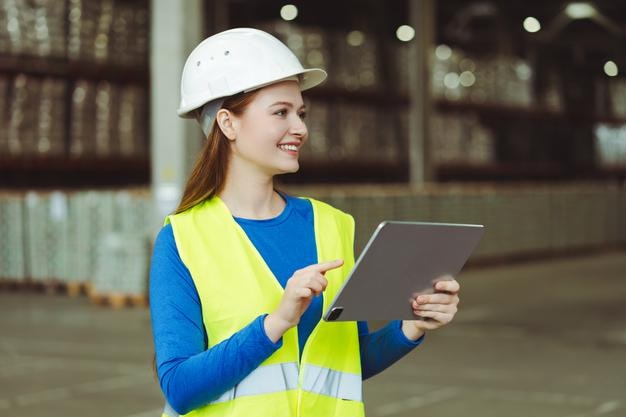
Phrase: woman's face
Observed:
(271, 131)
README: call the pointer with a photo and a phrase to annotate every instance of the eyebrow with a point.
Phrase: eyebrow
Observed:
(286, 103)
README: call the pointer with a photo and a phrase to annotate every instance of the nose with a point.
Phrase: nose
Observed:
(298, 127)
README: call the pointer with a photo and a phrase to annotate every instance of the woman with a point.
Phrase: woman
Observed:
(241, 272)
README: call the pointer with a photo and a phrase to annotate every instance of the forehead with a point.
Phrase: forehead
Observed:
(288, 91)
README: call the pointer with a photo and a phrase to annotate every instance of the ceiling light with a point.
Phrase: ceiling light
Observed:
(405, 33)
(532, 25)
(443, 52)
(467, 79)
(451, 80)
(288, 12)
(610, 69)
(580, 10)
(355, 38)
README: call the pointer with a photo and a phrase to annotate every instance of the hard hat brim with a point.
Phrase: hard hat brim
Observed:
(309, 78)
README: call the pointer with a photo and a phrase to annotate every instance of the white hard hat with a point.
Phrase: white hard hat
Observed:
(238, 60)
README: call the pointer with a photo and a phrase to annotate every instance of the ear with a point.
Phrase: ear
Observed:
(227, 123)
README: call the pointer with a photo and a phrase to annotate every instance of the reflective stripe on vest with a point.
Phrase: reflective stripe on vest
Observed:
(264, 380)
(324, 381)
(284, 377)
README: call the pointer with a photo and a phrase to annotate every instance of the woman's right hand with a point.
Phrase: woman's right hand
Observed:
(301, 287)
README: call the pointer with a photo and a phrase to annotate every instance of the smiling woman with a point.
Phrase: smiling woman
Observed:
(241, 272)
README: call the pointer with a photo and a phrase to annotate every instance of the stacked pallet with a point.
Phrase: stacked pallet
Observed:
(122, 253)
(12, 262)
(93, 243)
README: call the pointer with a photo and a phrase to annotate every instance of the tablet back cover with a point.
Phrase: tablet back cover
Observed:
(402, 260)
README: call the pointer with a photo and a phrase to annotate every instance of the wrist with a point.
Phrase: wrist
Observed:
(275, 327)
(411, 331)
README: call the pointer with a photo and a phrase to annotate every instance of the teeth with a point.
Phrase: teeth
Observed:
(288, 147)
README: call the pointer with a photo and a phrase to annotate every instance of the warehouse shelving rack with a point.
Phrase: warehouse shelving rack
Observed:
(70, 172)
(491, 114)
(548, 129)
(65, 171)
(58, 207)
(574, 53)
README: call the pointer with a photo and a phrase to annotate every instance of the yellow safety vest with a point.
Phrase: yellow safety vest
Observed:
(235, 286)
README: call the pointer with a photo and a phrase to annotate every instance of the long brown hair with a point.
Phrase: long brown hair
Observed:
(209, 171)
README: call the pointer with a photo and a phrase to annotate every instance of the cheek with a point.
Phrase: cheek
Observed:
(263, 130)
(276, 130)
(261, 141)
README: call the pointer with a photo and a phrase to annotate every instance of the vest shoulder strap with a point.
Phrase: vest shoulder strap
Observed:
(329, 213)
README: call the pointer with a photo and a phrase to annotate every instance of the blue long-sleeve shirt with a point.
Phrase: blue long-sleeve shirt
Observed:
(191, 375)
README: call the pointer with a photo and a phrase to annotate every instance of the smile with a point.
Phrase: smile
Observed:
(292, 148)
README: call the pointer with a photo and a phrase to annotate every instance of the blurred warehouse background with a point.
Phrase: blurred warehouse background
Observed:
(509, 114)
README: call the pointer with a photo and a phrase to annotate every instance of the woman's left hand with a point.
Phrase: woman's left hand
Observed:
(438, 308)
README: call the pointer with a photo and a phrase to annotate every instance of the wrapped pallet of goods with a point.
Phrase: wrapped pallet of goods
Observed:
(12, 262)
(36, 248)
(51, 118)
(354, 61)
(4, 104)
(97, 215)
(79, 259)
(57, 235)
(318, 124)
(357, 132)
(46, 233)
(121, 270)
(131, 137)
(122, 252)
(83, 120)
(81, 242)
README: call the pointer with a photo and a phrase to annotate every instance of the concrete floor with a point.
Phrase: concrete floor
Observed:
(539, 339)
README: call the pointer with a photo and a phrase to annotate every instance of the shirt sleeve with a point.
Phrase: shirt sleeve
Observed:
(191, 375)
(384, 347)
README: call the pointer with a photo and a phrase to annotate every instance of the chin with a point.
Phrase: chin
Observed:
(289, 168)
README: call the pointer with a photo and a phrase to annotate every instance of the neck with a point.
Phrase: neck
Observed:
(250, 194)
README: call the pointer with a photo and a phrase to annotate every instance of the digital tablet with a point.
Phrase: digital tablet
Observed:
(400, 261)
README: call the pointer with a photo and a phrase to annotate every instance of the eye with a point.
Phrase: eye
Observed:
(303, 115)
(281, 112)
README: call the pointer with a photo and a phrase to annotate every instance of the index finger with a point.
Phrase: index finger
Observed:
(326, 266)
